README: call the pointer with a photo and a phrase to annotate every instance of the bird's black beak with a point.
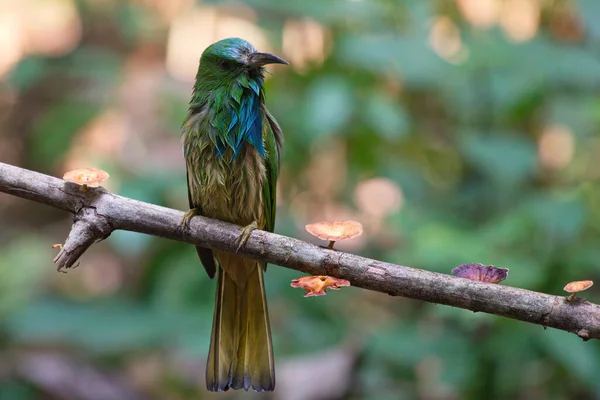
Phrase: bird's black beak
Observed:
(259, 59)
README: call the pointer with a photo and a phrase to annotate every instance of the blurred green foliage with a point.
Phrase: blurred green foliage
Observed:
(492, 139)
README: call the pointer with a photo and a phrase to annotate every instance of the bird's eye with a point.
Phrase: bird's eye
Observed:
(226, 65)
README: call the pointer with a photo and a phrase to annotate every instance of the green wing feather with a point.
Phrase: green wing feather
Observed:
(206, 255)
(273, 138)
(273, 143)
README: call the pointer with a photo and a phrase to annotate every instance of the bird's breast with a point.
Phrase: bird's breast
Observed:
(228, 189)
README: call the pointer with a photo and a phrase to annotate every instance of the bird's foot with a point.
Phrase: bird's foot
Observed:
(245, 235)
(184, 225)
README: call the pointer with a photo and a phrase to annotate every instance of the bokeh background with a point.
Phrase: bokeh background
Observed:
(455, 131)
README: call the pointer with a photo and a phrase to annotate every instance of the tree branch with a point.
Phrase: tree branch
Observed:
(99, 212)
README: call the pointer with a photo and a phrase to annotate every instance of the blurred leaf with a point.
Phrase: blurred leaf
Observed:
(327, 12)
(28, 72)
(422, 69)
(112, 326)
(329, 106)
(441, 248)
(573, 354)
(182, 284)
(507, 159)
(561, 218)
(387, 117)
(54, 130)
(24, 264)
(12, 390)
(411, 345)
(130, 243)
(589, 10)
(96, 66)
(509, 343)
(575, 113)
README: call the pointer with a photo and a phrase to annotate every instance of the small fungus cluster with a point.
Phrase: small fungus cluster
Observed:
(491, 274)
(333, 231)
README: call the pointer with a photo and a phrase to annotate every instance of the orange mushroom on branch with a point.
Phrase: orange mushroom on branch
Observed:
(318, 285)
(86, 177)
(576, 287)
(335, 230)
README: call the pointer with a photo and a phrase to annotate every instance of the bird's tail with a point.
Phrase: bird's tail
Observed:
(241, 352)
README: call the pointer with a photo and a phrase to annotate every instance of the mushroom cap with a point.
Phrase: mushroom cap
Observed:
(335, 230)
(317, 285)
(479, 272)
(578, 286)
(91, 177)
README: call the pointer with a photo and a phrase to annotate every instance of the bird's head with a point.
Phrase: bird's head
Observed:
(228, 59)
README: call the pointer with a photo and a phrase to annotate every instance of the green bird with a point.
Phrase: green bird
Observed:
(231, 145)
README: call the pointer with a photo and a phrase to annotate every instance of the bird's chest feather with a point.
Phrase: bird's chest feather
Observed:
(226, 188)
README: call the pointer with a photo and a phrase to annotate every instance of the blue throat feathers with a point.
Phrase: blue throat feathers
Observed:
(242, 123)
